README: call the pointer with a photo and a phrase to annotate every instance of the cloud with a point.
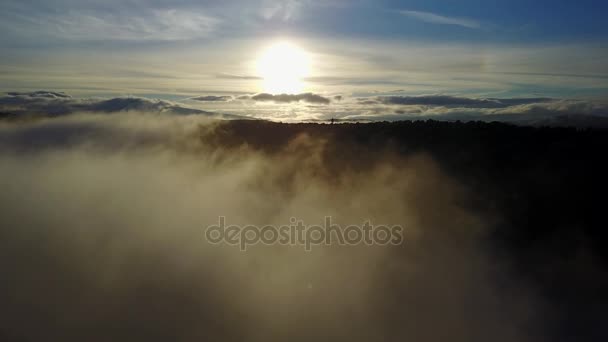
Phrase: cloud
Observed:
(147, 25)
(556, 108)
(286, 98)
(433, 18)
(283, 10)
(212, 98)
(42, 93)
(523, 111)
(237, 77)
(444, 100)
(42, 103)
(570, 120)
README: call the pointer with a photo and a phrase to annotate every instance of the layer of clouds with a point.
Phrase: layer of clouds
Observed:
(287, 98)
(454, 101)
(524, 111)
(41, 93)
(44, 103)
(314, 107)
(212, 98)
(103, 219)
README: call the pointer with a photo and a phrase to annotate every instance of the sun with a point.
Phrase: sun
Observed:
(283, 67)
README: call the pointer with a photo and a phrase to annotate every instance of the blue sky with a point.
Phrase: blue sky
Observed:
(183, 47)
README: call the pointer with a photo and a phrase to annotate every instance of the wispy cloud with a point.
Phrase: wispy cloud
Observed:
(149, 25)
(284, 10)
(433, 18)
(228, 76)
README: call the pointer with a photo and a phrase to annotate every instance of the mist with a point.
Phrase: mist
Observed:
(103, 239)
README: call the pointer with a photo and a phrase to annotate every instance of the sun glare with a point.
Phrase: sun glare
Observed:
(283, 67)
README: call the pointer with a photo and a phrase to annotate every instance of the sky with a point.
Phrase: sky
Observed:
(112, 162)
(183, 49)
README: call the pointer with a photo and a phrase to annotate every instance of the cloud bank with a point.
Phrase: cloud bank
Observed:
(44, 103)
(41, 93)
(453, 101)
(524, 111)
(284, 107)
(287, 98)
(212, 98)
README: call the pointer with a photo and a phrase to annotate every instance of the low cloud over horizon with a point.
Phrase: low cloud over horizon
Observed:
(315, 107)
(288, 98)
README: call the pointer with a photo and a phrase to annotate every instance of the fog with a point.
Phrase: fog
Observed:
(103, 219)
